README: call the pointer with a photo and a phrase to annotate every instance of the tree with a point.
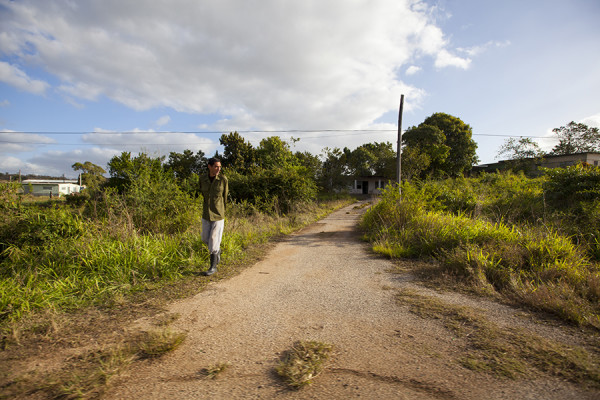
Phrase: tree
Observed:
(360, 161)
(462, 148)
(238, 154)
(372, 159)
(311, 162)
(385, 159)
(414, 163)
(425, 146)
(187, 163)
(522, 154)
(92, 174)
(334, 174)
(273, 152)
(124, 169)
(576, 138)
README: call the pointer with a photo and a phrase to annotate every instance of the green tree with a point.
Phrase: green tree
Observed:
(334, 174)
(426, 149)
(522, 154)
(91, 175)
(273, 152)
(372, 159)
(238, 154)
(123, 169)
(462, 148)
(360, 161)
(385, 159)
(185, 164)
(576, 138)
(311, 162)
(414, 163)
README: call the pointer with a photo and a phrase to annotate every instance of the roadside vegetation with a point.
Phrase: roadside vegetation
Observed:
(532, 241)
(73, 270)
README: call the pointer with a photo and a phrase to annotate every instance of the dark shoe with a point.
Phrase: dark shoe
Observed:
(214, 260)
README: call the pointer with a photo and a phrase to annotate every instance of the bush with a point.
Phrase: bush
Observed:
(273, 190)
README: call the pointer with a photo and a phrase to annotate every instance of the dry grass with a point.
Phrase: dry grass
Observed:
(213, 371)
(303, 363)
(158, 342)
(507, 352)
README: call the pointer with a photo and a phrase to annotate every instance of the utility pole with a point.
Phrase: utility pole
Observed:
(399, 151)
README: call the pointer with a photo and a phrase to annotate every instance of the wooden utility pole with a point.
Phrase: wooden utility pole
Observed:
(399, 151)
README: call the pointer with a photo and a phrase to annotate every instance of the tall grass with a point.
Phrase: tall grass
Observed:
(62, 258)
(532, 263)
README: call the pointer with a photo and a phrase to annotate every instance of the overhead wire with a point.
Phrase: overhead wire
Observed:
(290, 131)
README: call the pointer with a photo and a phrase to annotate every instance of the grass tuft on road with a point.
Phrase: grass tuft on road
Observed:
(303, 363)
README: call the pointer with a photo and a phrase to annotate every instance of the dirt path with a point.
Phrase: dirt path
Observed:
(321, 284)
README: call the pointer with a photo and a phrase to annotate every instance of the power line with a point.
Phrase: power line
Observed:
(196, 132)
(348, 132)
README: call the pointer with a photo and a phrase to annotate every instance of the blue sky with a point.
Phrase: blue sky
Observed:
(84, 81)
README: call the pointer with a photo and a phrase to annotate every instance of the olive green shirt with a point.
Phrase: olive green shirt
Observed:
(215, 196)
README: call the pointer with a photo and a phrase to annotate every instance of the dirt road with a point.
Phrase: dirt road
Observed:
(322, 284)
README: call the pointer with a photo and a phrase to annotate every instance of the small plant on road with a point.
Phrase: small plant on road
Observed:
(303, 363)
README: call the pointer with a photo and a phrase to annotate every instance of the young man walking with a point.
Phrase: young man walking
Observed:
(214, 188)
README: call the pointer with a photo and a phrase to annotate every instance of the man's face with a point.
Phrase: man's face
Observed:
(213, 170)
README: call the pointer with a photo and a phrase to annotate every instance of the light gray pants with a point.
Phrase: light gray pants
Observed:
(212, 232)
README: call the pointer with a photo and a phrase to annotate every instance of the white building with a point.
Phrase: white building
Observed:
(49, 187)
(368, 184)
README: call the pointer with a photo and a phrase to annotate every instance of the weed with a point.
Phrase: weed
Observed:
(213, 371)
(158, 342)
(303, 363)
(89, 375)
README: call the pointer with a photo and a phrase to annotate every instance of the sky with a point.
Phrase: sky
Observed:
(86, 80)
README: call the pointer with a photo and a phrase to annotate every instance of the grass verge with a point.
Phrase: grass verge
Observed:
(508, 352)
(50, 331)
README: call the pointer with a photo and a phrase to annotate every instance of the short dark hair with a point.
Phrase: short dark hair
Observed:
(212, 161)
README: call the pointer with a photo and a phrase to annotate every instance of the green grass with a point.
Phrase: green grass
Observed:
(532, 264)
(68, 262)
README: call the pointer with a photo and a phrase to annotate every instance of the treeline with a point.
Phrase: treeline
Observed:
(270, 177)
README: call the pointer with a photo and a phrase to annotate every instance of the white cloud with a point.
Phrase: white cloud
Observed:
(164, 120)
(14, 165)
(16, 142)
(446, 59)
(14, 76)
(57, 162)
(299, 64)
(150, 142)
(413, 69)
(477, 50)
(4, 103)
(592, 121)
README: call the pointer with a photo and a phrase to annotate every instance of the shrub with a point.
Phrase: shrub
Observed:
(273, 190)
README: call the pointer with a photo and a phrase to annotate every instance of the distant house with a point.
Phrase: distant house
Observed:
(560, 161)
(368, 184)
(50, 187)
